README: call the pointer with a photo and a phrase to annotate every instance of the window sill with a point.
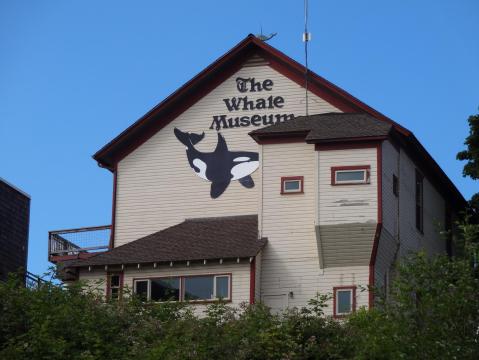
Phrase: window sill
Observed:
(292, 193)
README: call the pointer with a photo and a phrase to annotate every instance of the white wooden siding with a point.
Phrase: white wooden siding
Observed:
(156, 186)
(339, 204)
(291, 274)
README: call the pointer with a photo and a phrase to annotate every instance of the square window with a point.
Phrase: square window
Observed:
(292, 185)
(166, 289)
(350, 175)
(344, 300)
(115, 281)
(199, 288)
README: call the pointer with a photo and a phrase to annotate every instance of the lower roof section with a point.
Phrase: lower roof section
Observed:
(193, 239)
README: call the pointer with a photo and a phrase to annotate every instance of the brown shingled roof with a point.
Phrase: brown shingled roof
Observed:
(329, 126)
(193, 239)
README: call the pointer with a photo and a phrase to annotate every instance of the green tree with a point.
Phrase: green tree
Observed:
(432, 313)
(471, 155)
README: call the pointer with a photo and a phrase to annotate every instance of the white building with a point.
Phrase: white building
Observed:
(227, 190)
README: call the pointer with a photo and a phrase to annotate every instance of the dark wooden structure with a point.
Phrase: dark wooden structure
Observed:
(14, 225)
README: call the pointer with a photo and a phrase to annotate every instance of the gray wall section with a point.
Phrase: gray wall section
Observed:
(346, 244)
(14, 223)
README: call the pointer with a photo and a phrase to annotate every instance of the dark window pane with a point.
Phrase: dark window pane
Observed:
(199, 288)
(395, 185)
(419, 201)
(344, 301)
(350, 175)
(292, 185)
(167, 289)
(142, 290)
(114, 293)
(222, 287)
(115, 280)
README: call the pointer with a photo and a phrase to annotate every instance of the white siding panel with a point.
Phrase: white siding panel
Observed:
(290, 273)
(157, 188)
(338, 204)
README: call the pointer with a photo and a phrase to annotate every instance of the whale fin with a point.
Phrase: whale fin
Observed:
(218, 188)
(196, 138)
(188, 139)
(247, 182)
(221, 146)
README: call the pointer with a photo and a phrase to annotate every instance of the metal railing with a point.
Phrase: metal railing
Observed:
(78, 241)
(33, 281)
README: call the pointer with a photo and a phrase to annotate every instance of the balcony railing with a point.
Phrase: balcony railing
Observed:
(78, 243)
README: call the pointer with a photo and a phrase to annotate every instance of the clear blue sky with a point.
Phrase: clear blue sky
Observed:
(73, 74)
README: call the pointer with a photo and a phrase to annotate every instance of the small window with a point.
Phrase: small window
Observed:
(395, 185)
(114, 286)
(350, 175)
(344, 300)
(419, 201)
(292, 185)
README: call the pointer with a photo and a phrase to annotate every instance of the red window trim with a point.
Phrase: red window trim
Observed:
(288, 178)
(108, 284)
(353, 307)
(182, 285)
(353, 167)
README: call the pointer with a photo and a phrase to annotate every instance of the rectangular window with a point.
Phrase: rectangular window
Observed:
(114, 286)
(344, 300)
(395, 185)
(292, 185)
(419, 201)
(350, 175)
(184, 288)
(141, 289)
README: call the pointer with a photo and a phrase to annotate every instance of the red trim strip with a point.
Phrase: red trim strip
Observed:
(343, 145)
(252, 281)
(113, 208)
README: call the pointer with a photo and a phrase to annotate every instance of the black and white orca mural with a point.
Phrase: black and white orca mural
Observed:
(221, 166)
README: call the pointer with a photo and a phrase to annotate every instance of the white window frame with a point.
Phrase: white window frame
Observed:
(111, 287)
(229, 287)
(182, 286)
(289, 179)
(351, 291)
(365, 180)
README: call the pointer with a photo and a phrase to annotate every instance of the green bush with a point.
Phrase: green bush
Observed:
(432, 313)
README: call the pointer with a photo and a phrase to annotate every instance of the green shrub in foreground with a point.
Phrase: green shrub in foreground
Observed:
(432, 313)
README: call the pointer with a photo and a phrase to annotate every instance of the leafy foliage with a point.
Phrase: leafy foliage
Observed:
(432, 313)
(471, 154)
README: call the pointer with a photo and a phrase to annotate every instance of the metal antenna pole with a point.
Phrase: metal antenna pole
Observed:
(306, 39)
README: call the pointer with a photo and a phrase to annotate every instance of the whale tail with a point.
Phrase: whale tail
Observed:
(188, 139)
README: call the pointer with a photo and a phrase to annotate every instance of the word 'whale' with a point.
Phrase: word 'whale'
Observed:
(221, 166)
